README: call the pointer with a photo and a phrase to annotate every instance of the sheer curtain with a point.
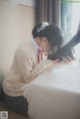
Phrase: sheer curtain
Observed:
(66, 19)
(70, 19)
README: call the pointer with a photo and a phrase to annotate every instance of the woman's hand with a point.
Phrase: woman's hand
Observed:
(68, 60)
(55, 61)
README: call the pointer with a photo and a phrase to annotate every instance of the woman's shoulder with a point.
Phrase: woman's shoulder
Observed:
(25, 45)
(24, 48)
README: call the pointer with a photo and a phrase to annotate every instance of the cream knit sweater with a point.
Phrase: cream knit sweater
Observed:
(24, 69)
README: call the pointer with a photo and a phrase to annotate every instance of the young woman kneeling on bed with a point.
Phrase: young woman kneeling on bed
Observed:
(30, 60)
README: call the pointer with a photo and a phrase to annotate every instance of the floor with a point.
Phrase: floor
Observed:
(13, 115)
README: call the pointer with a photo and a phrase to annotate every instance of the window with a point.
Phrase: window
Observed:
(70, 19)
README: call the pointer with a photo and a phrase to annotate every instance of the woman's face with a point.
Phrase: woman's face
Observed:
(44, 44)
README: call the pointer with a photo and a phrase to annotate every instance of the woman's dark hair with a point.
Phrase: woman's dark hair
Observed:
(54, 35)
(34, 31)
(52, 32)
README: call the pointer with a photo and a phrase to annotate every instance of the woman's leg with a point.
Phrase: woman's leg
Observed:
(18, 104)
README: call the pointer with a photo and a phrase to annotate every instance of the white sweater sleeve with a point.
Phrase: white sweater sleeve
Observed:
(25, 66)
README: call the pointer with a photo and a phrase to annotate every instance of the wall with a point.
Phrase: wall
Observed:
(16, 23)
(30, 3)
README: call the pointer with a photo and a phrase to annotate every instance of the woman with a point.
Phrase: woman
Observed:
(27, 64)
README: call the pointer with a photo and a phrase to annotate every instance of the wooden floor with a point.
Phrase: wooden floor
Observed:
(13, 115)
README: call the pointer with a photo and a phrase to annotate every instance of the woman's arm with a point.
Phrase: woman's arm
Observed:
(25, 66)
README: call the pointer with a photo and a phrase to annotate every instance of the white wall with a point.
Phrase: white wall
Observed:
(30, 3)
(16, 23)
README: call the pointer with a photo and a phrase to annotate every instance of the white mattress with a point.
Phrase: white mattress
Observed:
(55, 95)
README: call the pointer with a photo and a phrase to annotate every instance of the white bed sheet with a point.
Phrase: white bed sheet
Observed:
(55, 95)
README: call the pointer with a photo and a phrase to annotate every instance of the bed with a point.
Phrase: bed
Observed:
(55, 94)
